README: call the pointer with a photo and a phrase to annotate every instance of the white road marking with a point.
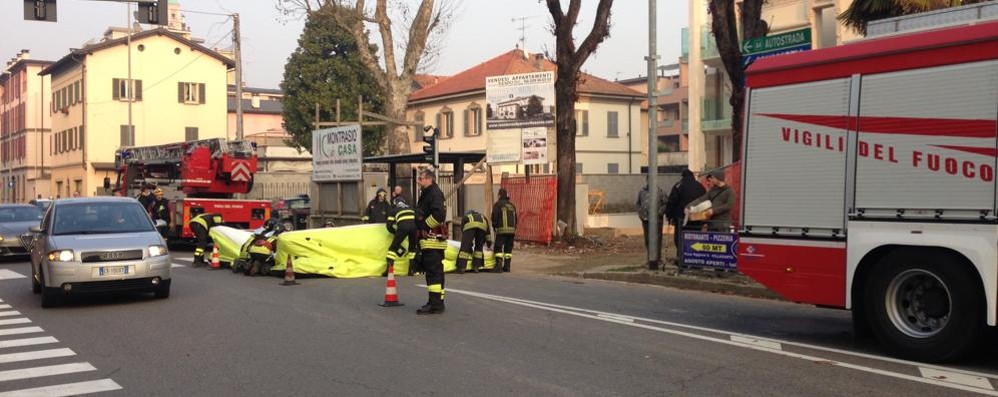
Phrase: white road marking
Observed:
(585, 313)
(758, 342)
(184, 258)
(953, 377)
(760, 338)
(19, 331)
(49, 370)
(13, 321)
(10, 313)
(5, 307)
(615, 318)
(35, 355)
(69, 389)
(27, 342)
(176, 265)
(7, 274)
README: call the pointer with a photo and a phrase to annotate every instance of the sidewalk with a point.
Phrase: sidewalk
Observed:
(623, 259)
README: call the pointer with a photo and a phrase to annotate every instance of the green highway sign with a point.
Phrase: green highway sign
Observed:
(794, 38)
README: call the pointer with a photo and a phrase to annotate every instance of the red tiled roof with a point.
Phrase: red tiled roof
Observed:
(513, 62)
(426, 80)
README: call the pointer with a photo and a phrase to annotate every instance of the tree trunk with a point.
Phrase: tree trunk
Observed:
(566, 96)
(397, 139)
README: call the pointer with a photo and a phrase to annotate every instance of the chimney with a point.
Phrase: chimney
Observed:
(539, 61)
(25, 54)
(526, 55)
(255, 102)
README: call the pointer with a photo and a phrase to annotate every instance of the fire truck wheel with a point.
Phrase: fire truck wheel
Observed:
(925, 305)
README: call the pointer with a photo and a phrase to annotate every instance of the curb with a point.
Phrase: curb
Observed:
(679, 282)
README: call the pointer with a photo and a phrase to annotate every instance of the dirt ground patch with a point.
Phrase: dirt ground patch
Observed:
(586, 254)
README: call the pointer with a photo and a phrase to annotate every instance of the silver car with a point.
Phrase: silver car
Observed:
(97, 245)
(15, 220)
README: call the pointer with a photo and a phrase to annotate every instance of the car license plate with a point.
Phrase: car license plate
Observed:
(113, 271)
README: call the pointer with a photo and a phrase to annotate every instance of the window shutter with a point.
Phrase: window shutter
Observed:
(585, 122)
(201, 93)
(124, 136)
(114, 89)
(439, 119)
(180, 92)
(79, 94)
(467, 124)
(82, 136)
(138, 90)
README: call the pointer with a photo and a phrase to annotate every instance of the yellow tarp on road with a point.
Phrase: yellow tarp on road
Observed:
(347, 252)
(229, 241)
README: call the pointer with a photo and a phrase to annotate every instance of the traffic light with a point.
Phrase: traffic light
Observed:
(157, 13)
(430, 153)
(39, 10)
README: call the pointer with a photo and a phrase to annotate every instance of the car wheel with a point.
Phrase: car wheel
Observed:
(162, 292)
(925, 305)
(51, 297)
(35, 286)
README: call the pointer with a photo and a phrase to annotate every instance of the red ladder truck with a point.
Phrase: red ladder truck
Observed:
(868, 183)
(197, 177)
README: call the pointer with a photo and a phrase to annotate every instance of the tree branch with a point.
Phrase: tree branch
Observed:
(352, 20)
(387, 40)
(573, 12)
(601, 30)
(554, 7)
(419, 32)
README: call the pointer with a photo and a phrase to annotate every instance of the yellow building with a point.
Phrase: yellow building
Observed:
(24, 129)
(178, 93)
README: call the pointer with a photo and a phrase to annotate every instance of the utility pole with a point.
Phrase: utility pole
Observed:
(654, 228)
(131, 86)
(237, 47)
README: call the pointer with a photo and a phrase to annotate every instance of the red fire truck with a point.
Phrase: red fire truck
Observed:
(198, 177)
(868, 183)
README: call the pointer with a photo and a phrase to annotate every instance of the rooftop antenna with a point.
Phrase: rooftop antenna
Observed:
(523, 29)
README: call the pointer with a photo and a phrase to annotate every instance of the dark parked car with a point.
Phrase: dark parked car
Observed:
(294, 212)
(16, 220)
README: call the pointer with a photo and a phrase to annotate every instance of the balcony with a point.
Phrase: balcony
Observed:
(673, 158)
(708, 48)
(716, 115)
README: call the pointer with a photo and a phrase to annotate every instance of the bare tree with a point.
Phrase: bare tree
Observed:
(570, 60)
(400, 62)
(724, 25)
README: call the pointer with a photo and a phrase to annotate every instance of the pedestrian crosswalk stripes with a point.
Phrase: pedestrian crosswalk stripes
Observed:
(12, 321)
(7, 274)
(35, 360)
(35, 355)
(69, 389)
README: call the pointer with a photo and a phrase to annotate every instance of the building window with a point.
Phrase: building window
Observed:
(420, 119)
(190, 93)
(78, 186)
(578, 168)
(191, 133)
(445, 122)
(613, 168)
(79, 94)
(125, 92)
(669, 144)
(58, 189)
(127, 136)
(611, 125)
(581, 123)
(473, 121)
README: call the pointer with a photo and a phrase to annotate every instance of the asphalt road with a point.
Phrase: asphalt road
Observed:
(226, 334)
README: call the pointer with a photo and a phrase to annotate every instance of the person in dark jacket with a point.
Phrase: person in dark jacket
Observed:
(683, 193)
(145, 197)
(377, 209)
(402, 225)
(159, 209)
(645, 201)
(431, 222)
(504, 223)
(475, 237)
(722, 200)
(200, 225)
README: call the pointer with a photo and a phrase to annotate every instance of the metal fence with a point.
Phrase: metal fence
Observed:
(271, 190)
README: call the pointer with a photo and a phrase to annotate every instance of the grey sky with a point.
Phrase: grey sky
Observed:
(483, 29)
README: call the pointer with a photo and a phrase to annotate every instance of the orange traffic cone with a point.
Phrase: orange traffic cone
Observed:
(391, 292)
(215, 264)
(289, 274)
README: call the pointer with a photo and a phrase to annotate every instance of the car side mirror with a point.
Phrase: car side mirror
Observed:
(36, 229)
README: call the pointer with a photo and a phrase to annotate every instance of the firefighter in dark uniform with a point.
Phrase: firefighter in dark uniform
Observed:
(402, 224)
(504, 223)
(430, 222)
(159, 210)
(475, 236)
(200, 225)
